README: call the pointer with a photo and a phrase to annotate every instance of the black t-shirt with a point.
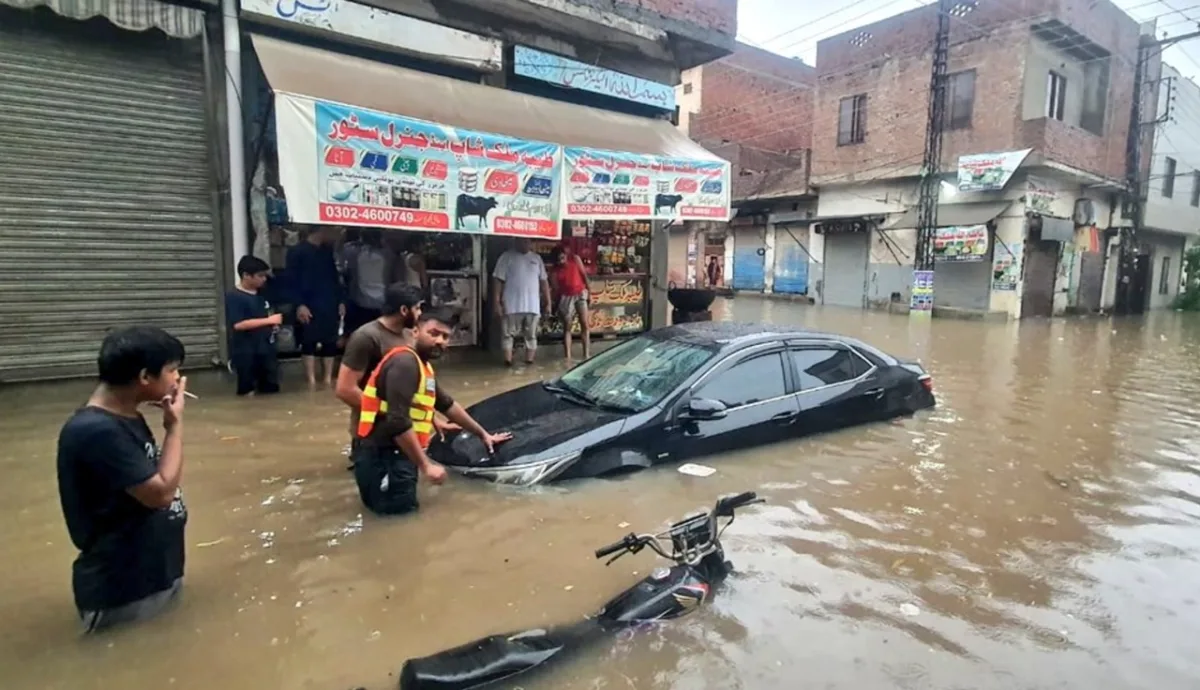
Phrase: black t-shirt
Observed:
(126, 550)
(242, 306)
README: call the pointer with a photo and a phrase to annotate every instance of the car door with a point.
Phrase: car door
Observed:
(835, 386)
(759, 408)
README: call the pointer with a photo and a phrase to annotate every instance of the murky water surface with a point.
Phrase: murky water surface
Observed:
(1038, 530)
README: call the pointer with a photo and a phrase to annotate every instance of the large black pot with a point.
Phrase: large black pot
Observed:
(691, 299)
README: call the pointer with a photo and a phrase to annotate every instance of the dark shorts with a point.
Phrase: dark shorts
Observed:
(320, 335)
(257, 371)
(386, 478)
(135, 612)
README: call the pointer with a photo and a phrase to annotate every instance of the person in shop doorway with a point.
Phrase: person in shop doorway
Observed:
(368, 268)
(714, 272)
(119, 489)
(522, 291)
(570, 283)
(411, 268)
(396, 421)
(252, 330)
(319, 299)
(367, 347)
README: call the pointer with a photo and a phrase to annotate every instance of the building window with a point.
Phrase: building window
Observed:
(960, 99)
(1164, 278)
(852, 120)
(1056, 96)
(1168, 183)
(1196, 188)
(687, 87)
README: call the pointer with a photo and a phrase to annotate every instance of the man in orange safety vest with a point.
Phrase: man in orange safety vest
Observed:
(395, 424)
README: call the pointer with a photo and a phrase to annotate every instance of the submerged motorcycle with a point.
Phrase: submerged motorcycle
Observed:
(699, 565)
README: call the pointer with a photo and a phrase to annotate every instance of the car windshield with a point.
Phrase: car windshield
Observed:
(635, 374)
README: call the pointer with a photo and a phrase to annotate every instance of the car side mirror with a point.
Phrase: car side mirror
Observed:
(704, 408)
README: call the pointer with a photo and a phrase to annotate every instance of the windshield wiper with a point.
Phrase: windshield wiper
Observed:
(577, 396)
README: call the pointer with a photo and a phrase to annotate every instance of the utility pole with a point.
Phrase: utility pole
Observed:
(1127, 254)
(921, 303)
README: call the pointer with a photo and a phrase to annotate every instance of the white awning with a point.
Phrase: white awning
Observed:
(134, 15)
(315, 73)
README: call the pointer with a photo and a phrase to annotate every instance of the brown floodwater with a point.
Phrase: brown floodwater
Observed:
(1037, 530)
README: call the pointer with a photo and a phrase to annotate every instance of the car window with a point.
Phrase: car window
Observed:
(818, 367)
(749, 381)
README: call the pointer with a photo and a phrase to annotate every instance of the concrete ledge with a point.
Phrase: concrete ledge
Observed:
(775, 296)
(969, 314)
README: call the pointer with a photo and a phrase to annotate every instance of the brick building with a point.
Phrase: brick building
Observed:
(754, 108)
(1053, 78)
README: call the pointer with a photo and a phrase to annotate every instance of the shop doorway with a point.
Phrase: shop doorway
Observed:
(1091, 281)
(710, 271)
(1041, 272)
(1133, 285)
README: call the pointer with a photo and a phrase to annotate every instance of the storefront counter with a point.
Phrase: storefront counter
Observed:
(618, 307)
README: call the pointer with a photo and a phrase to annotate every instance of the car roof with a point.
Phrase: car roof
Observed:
(733, 335)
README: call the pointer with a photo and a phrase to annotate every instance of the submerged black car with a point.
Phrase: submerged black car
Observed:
(684, 392)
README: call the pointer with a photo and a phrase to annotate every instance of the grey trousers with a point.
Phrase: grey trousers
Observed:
(133, 612)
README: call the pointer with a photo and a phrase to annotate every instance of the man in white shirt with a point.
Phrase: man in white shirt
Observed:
(521, 291)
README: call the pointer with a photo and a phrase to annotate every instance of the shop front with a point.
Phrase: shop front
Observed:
(107, 183)
(362, 144)
(847, 246)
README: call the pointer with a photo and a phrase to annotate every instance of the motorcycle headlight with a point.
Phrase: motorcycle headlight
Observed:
(524, 474)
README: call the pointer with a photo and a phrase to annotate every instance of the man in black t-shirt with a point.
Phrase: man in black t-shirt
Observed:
(119, 489)
(252, 329)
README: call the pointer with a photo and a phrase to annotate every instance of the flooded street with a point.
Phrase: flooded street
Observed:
(1040, 529)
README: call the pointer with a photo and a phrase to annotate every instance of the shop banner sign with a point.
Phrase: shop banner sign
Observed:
(353, 166)
(610, 185)
(969, 243)
(988, 172)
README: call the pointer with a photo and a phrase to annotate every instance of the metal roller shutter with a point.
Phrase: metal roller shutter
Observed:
(846, 257)
(105, 203)
(748, 264)
(791, 260)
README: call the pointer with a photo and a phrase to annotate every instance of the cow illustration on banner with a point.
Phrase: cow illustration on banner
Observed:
(377, 169)
(612, 185)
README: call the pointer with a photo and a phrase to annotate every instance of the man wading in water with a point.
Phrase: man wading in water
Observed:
(396, 422)
(119, 489)
(368, 345)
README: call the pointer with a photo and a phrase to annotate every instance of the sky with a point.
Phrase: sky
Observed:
(793, 27)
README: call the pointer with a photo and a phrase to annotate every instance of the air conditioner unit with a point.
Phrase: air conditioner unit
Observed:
(1085, 212)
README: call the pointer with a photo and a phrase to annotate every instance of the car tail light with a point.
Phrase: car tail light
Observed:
(927, 383)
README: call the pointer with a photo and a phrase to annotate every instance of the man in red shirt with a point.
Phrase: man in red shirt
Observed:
(570, 281)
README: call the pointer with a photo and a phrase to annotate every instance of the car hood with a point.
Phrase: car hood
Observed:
(544, 425)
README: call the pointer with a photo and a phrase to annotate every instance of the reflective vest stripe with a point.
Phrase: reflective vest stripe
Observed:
(420, 411)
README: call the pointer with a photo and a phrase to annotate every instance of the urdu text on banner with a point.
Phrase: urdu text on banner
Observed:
(355, 166)
(612, 185)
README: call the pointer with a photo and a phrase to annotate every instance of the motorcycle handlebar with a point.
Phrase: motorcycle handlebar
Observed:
(727, 504)
(615, 546)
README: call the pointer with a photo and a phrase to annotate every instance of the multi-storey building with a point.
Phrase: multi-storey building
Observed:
(1171, 218)
(754, 108)
(1034, 154)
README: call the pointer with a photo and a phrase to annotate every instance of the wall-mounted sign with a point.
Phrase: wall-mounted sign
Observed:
(987, 172)
(967, 243)
(374, 26)
(567, 73)
(843, 226)
(612, 185)
(354, 166)
(1039, 196)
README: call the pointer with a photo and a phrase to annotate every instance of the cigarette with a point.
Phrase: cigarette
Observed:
(193, 396)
